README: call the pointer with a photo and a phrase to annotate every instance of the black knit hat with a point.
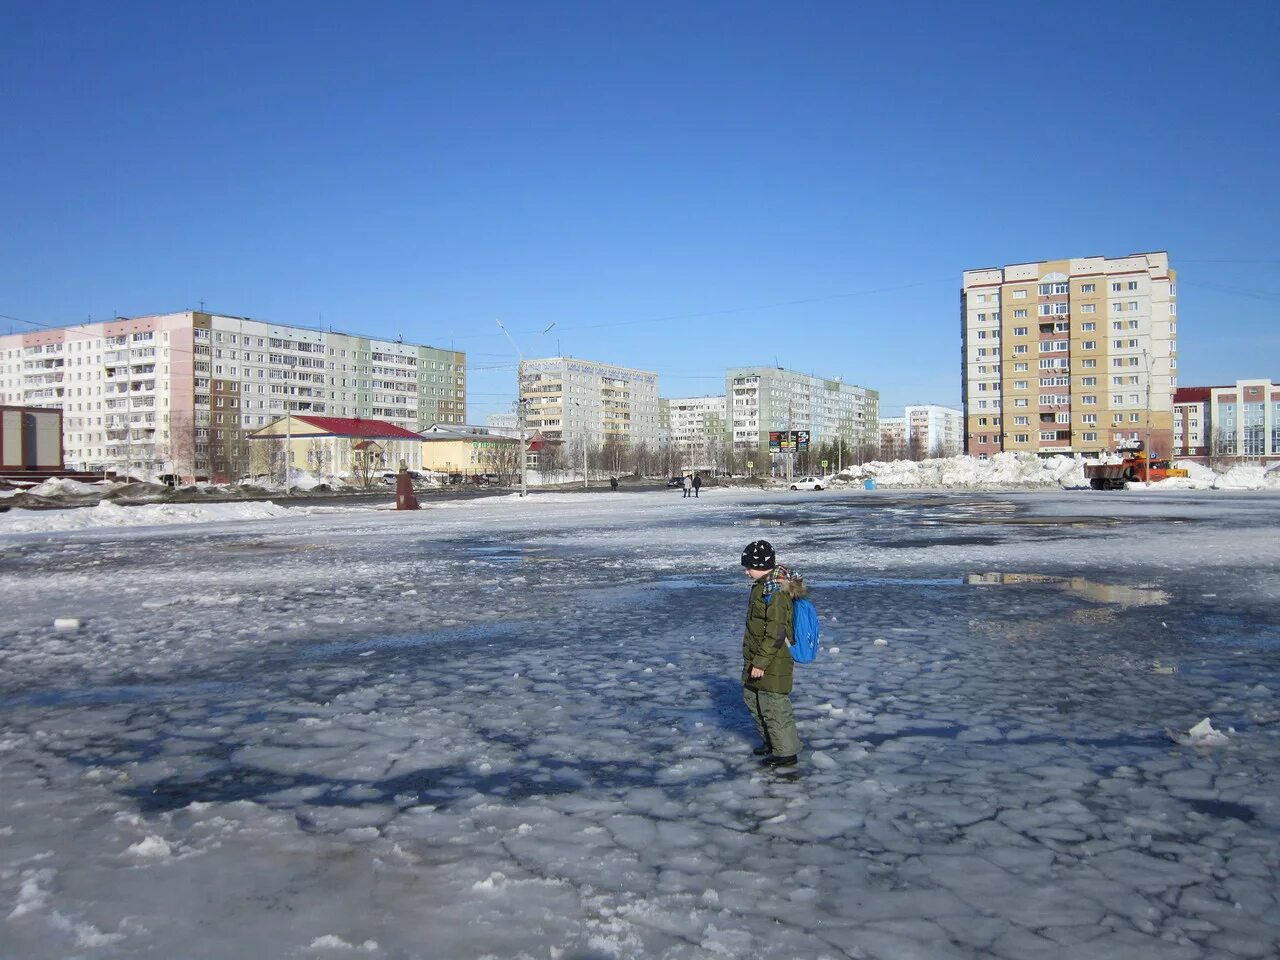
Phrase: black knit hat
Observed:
(759, 556)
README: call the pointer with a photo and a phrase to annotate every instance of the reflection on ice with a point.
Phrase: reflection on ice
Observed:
(1118, 594)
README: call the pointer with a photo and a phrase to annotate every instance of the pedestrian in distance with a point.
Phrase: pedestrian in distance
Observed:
(687, 484)
(613, 484)
(697, 485)
(767, 664)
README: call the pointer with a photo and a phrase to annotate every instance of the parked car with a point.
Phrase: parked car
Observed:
(808, 483)
(389, 478)
(676, 482)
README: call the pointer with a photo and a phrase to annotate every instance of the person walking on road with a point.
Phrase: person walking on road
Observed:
(767, 665)
(687, 484)
(613, 484)
(697, 485)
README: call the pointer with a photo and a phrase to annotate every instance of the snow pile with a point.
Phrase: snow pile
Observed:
(965, 472)
(65, 487)
(300, 480)
(1247, 476)
(1028, 470)
(108, 514)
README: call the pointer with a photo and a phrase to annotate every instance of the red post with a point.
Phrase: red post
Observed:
(405, 500)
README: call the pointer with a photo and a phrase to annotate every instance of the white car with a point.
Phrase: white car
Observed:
(807, 483)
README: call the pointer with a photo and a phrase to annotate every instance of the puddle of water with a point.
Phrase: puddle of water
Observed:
(1222, 809)
(1118, 594)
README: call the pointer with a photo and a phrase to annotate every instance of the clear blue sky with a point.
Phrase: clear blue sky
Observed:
(678, 186)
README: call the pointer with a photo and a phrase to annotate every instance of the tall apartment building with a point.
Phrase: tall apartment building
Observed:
(697, 423)
(570, 399)
(924, 430)
(1241, 420)
(761, 400)
(1069, 356)
(179, 392)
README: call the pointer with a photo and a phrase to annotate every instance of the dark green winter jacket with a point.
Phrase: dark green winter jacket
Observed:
(764, 642)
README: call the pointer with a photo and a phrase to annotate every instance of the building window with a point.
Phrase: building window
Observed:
(1089, 437)
(1019, 314)
(1089, 308)
(1087, 327)
(1019, 331)
(1087, 288)
(1133, 285)
(1019, 294)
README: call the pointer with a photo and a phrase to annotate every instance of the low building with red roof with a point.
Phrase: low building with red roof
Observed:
(333, 446)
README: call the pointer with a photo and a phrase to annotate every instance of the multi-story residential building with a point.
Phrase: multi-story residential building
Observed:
(573, 400)
(761, 400)
(933, 430)
(893, 438)
(697, 426)
(925, 430)
(1241, 420)
(1069, 356)
(180, 392)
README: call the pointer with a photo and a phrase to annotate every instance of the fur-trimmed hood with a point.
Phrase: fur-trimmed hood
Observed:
(786, 579)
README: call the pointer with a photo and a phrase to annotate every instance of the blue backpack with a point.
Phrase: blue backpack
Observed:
(805, 631)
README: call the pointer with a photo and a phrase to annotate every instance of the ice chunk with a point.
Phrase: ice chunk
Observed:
(66, 623)
(1202, 734)
(880, 642)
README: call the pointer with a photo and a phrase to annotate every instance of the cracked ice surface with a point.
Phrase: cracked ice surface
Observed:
(514, 729)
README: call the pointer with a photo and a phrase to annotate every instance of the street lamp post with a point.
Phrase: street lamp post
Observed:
(520, 407)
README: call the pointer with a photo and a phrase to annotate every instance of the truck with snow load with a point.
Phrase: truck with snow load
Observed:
(1136, 467)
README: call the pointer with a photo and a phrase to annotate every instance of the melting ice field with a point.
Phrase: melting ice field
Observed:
(513, 728)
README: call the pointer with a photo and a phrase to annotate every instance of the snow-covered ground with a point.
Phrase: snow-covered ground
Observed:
(513, 728)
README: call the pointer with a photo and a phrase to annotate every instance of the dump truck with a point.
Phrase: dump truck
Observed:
(1136, 467)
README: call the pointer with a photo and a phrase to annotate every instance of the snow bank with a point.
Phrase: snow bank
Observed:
(964, 472)
(1028, 470)
(64, 487)
(108, 514)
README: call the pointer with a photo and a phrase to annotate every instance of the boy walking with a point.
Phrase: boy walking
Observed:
(767, 664)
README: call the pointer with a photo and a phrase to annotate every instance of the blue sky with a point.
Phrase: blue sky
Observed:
(678, 186)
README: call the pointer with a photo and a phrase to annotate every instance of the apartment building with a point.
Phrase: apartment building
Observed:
(180, 392)
(893, 438)
(1069, 356)
(570, 400)
(697, 424)
(760, 400)
(1240, 420)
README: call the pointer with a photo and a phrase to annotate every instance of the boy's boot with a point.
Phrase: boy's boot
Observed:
(780, 761)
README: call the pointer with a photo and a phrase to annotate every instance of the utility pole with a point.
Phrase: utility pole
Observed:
(288, 444)
(520, 419)
(791, 440)
(520, 407)
(1147, 461)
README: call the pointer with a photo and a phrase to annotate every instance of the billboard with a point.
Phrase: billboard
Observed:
(781, 441)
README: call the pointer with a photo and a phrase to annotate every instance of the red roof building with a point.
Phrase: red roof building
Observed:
(354, 427)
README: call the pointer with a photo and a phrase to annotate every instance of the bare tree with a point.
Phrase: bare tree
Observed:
(366, 459)
(503, 459)
(181, 445)
(319, 458)
(915, 447)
